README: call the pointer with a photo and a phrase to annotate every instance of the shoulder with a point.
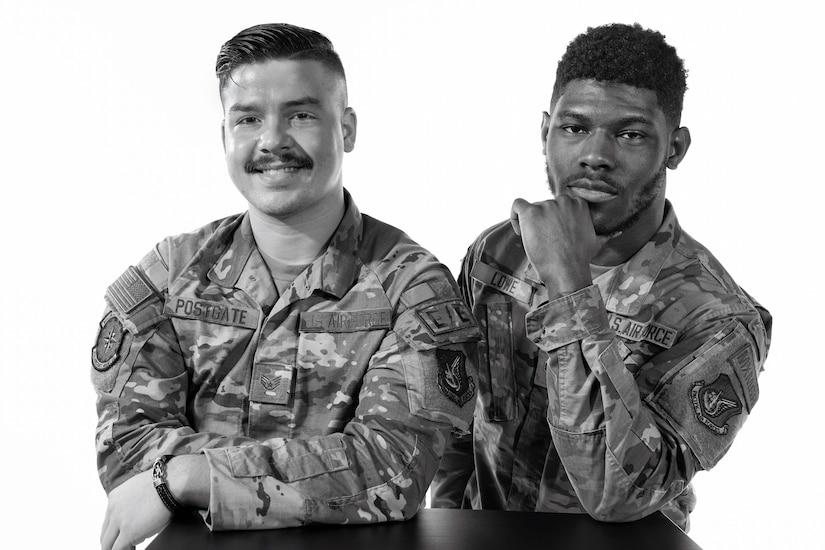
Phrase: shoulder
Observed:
(394, 257)
(137, 294)
(175, 251)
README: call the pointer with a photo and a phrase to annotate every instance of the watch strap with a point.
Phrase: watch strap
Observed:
(159, 481)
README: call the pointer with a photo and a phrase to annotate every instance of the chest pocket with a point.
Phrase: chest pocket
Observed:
(496, 369)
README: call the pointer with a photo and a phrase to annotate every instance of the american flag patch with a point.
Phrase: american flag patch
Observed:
(129, 291)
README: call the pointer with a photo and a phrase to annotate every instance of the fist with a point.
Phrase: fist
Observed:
(559, 241)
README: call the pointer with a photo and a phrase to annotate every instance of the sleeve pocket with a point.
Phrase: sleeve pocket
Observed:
(496, 375)
(707, 397)
(290, 462)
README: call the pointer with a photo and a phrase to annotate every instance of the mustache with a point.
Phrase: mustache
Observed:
(288, 159)
(601, 177)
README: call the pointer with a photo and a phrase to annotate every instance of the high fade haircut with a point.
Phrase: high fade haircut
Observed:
(626, 54)
(276, 41)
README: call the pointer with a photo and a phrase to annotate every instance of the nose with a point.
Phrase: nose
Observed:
(274, 138)
(597, 151)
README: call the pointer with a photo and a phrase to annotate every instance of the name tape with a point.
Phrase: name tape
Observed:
(507, 284)
(211, 312)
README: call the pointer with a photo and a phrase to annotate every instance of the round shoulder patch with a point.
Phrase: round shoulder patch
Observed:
(106, 351)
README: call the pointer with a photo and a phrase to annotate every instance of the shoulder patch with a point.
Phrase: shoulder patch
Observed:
(129, 291)
(453, 380)
(110, 337)
(110, 351)
(446, 316)
(704, 397)
(715, 403)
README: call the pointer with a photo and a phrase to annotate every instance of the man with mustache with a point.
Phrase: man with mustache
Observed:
(297, 363)
(620, 358)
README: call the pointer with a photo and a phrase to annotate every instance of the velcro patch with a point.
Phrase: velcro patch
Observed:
(636, 331)
(715, 403)
(345, 321)
(110, 338)
(272, 384)
(744, 365)
(447, 316)
(453, 380)
(518, 289)
(220, 313)
(129, 291)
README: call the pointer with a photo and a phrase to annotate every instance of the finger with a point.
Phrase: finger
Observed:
(108, 537)
(123, 543)
(518, 207)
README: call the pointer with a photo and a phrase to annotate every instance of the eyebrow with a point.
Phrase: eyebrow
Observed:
(624, 121)
(249, 108)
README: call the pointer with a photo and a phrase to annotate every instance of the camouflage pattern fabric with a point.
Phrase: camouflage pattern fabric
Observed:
(609, 400)
(330, 403)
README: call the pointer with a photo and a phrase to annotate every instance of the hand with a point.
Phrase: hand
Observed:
(559, 241)
(134, 513)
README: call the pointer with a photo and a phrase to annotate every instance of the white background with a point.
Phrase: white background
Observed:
(110, 141)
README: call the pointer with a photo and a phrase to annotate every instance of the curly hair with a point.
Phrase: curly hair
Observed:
(276, 41)
(626, 54)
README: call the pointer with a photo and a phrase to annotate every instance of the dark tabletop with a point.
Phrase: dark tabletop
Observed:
(440, 529)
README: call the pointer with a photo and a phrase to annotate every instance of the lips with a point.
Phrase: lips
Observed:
(287, 163)
(592, 190)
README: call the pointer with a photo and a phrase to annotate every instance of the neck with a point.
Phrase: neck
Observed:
(298, 240)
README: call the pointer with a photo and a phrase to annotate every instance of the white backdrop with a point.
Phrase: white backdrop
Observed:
(110, 141)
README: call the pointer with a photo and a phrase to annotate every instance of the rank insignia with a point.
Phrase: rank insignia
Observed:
(715, 403)
(452, 376)
(106, 351)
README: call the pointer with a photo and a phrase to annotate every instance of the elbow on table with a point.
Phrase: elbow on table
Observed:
(614, 511)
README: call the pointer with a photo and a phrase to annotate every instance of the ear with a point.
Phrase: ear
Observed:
(223, 135)
(679, 145)
(349, 126)
(545, 130)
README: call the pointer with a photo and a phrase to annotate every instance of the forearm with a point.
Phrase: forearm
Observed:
(365, 475)
(622, 463)
(619, 459)
(454, 472)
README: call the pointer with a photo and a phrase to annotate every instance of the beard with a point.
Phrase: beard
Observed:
(604, 225)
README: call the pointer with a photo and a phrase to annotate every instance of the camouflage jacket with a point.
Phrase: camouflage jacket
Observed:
(330, 403)
(610, 399)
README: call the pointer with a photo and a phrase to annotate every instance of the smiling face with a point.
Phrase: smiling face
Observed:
(285, 131)
(610, 145)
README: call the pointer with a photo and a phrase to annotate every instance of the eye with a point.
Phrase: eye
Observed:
(303, 117)
(573, 129)
(632, 135)
(247, 120)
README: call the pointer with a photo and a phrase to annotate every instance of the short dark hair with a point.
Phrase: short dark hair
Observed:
(276, 41)
(626, 54)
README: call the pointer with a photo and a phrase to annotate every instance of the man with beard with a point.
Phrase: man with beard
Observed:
(620, 358)
(297, 363)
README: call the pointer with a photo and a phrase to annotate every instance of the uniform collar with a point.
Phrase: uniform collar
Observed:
(333, 273)
(626, 288)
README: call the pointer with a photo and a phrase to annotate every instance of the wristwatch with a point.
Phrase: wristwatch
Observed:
(159, 481)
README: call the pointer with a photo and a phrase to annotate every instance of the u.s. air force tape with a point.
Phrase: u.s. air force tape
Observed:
(503, 282)
(346, 321)
(637, 331)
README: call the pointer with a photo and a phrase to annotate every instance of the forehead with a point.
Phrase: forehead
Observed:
(608, 101)
(282, 80)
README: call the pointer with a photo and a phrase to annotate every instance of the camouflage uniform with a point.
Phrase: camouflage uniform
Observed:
(644, 378)
(330, 403)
